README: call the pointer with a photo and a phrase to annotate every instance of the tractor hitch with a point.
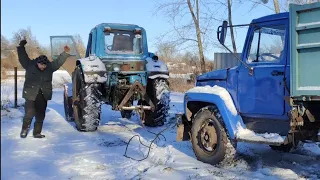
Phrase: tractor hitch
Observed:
(136, 88)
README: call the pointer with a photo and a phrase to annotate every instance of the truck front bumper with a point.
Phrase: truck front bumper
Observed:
(183, 128)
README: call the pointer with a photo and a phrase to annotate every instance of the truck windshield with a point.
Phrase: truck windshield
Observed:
(267, 44)
(123, 42)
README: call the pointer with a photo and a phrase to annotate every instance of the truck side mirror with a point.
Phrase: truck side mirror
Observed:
(222, 32)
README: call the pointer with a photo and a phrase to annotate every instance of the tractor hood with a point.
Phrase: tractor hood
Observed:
(220, 74)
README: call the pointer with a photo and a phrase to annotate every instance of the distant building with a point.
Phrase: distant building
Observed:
(225, 60)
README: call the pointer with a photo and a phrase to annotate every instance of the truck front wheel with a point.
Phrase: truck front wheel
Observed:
(209, 139)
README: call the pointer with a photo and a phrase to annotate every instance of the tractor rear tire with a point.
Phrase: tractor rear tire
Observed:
(159, 93)
(87, 108)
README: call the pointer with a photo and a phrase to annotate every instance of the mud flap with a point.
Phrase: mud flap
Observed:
(183, 128)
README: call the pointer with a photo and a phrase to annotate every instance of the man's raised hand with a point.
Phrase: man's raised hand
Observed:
(23, 42)
(66, 49)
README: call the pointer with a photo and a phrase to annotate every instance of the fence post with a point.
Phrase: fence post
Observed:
(15, 87)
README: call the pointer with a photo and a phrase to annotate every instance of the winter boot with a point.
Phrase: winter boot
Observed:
(39, 136)
(24, 133)
(24, 130)
(37, 130)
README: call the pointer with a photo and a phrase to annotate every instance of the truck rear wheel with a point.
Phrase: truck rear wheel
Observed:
(159, 93)
(87, 105)
(209, 138)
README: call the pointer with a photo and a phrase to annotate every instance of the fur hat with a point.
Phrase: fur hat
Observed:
(42, 59)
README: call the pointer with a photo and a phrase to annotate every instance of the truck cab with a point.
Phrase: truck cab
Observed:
(259, 97)
(271, 97)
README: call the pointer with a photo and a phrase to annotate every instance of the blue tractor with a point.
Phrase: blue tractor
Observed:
(271, 97)
(117, 70)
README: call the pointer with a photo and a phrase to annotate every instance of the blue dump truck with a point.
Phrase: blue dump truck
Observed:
(117, 70)
(271, 97)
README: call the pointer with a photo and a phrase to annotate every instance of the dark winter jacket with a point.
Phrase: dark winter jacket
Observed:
(35, 79)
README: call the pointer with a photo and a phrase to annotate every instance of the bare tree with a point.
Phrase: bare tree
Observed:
(4, 43)
(80, 45)
(166, 51)
(192, 22)
(9, 58)
(231, 28)
(276, 6)
(302, 1)
(33, 47)
(195, 16)
(282, 5)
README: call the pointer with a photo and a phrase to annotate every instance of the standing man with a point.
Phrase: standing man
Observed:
(37, 88)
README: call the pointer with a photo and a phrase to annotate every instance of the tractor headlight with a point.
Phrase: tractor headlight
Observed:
(116, 67)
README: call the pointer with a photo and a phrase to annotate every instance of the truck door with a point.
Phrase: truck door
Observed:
(57, 44)
(263, 92)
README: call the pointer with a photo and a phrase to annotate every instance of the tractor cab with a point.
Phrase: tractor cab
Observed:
(117, 41)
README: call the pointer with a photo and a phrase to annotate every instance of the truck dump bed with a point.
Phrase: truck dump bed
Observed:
(305, 50)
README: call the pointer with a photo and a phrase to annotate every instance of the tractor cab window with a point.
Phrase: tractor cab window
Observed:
(267, 44)
(123, 42)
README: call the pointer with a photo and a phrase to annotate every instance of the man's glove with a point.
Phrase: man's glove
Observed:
(66, 49)
(23, 42)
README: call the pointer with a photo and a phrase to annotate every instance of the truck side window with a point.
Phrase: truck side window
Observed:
(267, 44)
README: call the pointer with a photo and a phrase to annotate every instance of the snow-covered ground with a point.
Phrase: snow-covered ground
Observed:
(66, 153)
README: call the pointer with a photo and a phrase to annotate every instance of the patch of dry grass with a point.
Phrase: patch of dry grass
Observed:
(180, 85)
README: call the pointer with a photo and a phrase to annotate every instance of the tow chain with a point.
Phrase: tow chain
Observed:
(149, 147)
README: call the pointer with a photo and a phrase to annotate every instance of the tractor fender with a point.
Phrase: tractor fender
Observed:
(93, 69)
(157, 69)
(220, 97)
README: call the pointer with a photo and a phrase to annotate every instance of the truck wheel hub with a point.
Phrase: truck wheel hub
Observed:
(208, 136)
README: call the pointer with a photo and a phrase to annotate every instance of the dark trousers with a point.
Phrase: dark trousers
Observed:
(35, 109)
